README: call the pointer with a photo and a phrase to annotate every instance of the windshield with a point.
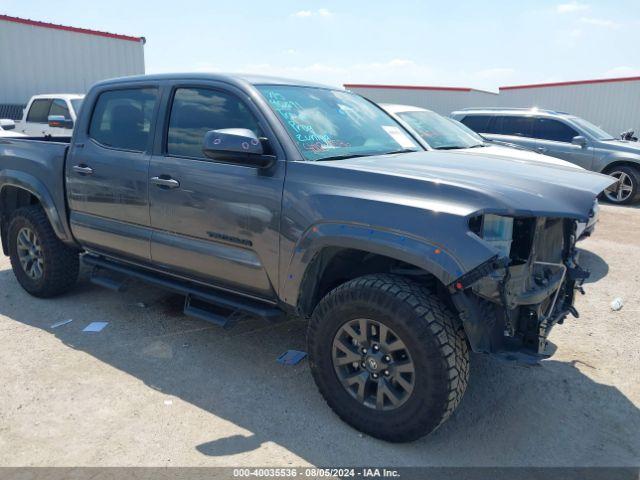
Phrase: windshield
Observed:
(76, 103)
(467, 130)
(591, 129)
(439, 132)
(333, 124)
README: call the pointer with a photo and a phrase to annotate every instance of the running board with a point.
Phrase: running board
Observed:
(117, 285)
(219, 308)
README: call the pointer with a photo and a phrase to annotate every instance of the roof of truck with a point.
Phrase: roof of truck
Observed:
(233, 78)
(65, 96)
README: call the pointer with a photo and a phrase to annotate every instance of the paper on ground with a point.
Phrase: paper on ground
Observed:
(59, 324)
(95, 326)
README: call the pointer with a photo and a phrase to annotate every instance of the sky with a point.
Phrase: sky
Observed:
(483, 45)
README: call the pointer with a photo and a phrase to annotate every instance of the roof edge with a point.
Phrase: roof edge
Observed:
(574, 82)
(54, 26)
(407, 87)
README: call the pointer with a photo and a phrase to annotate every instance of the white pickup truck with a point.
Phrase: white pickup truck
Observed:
(35, 118)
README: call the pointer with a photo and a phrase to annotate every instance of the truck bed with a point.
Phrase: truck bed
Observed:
(37, 164)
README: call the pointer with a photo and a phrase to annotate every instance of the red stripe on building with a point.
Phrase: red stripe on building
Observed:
(35, 23)
(576, 82)
(406, 87)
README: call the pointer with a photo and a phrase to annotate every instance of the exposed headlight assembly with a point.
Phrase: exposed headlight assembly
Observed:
(496, 230)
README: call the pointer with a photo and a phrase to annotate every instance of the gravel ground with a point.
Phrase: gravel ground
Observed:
(156, 388)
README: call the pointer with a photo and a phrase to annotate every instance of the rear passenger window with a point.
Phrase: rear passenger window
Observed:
(195, 111)
(547, 129)
(514, 125)
(59, 107)
(39, 111)
(122, 118)
(477, 123)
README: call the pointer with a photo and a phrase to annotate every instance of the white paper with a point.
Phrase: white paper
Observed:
(59, 324)
(399, 136)
(95, 326)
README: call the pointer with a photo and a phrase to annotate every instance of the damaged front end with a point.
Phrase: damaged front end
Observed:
(510, 303)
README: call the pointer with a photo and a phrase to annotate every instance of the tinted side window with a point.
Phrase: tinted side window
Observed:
(195, 111)
(514, 125)
(59, 107)
(39, 111)
(547, 129)
(122, 118)
(477, 123)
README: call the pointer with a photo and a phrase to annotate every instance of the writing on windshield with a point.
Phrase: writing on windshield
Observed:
(327, 123)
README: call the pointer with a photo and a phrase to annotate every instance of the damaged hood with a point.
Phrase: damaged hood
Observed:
(487, 183)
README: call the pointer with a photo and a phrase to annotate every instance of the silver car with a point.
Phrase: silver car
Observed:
(563, 136)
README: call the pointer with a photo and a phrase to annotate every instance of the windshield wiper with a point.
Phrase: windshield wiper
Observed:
(343, 157)
(449, 147)
(404, 150)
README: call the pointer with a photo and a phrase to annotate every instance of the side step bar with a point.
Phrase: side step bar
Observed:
(220, 308)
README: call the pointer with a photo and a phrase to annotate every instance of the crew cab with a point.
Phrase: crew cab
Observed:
(63, 107)
(276, 197)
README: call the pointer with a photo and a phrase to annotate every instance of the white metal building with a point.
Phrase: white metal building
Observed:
(613, 104)
(442, 100)
(38, 57)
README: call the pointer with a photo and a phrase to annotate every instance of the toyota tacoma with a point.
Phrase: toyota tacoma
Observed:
(274, 197)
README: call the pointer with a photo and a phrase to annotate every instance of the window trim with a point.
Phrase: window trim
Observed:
(532, 126)
(154, 116)
(491, 121)
(66, 104)
(164, 143)
(561, 122)
(50, 100)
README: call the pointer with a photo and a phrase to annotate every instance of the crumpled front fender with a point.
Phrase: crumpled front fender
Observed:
(432, 257)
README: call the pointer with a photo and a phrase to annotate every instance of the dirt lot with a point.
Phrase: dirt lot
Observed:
(157, 388)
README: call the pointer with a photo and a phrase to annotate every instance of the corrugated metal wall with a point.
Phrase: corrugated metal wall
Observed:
(440, 101)
(615, 106)
(37, 60)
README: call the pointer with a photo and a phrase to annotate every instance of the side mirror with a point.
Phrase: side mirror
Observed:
(579, 140)
(59, 121)
(7, 124)
(236, 145)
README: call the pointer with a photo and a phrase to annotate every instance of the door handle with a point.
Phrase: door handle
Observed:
(542, 149)
(83, 170)
(165, 182)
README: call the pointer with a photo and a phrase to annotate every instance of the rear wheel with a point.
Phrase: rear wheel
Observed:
(42, 264)
(389, 358)
(627, 190)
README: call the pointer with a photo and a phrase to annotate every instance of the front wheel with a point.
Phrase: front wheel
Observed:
(42, 264)
(627, 190)
(388, 357)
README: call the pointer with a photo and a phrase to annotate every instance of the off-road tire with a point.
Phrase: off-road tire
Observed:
(432, 334)
(634, 175)
(61, 263)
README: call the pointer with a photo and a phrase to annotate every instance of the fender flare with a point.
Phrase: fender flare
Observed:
(26, 181)
(431, 257)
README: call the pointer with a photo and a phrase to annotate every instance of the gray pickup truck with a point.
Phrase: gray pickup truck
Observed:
(273, 197)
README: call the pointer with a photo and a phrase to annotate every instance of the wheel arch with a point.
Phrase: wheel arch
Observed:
(331, 254)
(621, 162)
(20, 189)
